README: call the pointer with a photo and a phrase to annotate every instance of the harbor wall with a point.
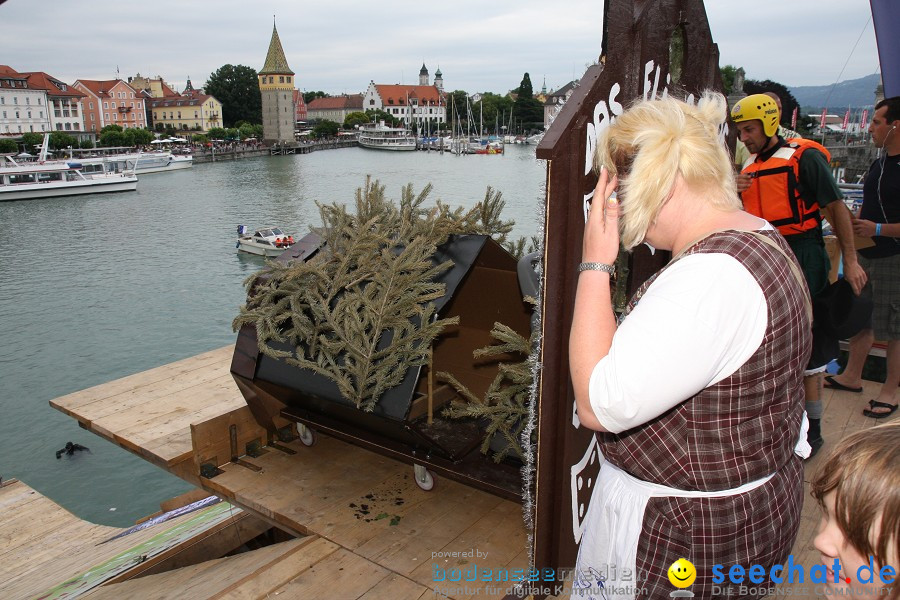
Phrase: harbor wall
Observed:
(206, 156)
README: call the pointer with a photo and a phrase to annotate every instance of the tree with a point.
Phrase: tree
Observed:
(216, 133)
(380, 115)
(112, 138)
(525, 88)
(727, 73)
(494, 109)
(527, 108)
(7, 145)
(356, 118)
(86, 144)
(246, 130)
(61, 141)
(788, 102)
(457, 106)
(325, 129)
(30, 140)
(140, 137)
(112, 128)
(237, 88)
(310, 96)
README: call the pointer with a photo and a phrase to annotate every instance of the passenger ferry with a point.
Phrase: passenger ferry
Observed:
(381, 137)
(26, 181)
(139, 163)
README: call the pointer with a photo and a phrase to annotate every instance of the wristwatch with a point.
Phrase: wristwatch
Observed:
(597, 266)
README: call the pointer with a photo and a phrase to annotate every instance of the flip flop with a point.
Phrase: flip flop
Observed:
(879, 415)
(832, 384)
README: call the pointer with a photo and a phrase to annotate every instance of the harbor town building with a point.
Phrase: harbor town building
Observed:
(111, 102)
(415, 105)
(192, 110)
(36, 102)
(334, 108)
(276, 85)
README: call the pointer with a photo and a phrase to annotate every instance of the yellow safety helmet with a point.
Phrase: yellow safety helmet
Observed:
(757, 106)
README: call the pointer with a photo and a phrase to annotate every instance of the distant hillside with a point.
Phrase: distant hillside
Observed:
(856, 93)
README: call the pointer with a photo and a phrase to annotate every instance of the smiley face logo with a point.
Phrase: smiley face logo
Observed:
(682, 573)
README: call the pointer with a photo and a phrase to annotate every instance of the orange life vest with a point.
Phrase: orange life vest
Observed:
(773, 193)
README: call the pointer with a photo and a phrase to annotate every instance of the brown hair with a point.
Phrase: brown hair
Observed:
(863, 470)
(893, 108)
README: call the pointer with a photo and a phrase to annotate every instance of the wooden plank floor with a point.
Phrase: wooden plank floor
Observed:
(370, 506)
(365, 510)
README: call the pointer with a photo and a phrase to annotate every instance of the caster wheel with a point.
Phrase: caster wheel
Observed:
(424, 478)
(307, 436)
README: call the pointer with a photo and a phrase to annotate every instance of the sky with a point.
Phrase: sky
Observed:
(338, 46)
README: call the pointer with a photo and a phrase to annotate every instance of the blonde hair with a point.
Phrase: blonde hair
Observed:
(863, 471)
(655, 140)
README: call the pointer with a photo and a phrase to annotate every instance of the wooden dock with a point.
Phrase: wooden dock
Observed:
(364, 529)
(360, 514)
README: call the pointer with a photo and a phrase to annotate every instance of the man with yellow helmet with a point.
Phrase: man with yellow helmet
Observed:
(789, 184)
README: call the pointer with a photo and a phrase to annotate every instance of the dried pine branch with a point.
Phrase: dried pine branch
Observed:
(360, 312)
(505, 405)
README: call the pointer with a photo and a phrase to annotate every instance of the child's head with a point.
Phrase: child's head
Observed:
(858, 488)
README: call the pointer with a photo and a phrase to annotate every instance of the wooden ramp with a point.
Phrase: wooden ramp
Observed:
(305, 568)
(47, 552)
(370, 532)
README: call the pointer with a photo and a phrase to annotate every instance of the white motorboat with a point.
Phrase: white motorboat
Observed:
(381, 137)
(30, 180)
(140, 163)
(265, 241)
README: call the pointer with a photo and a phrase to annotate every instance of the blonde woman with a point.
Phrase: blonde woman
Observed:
(697, 395)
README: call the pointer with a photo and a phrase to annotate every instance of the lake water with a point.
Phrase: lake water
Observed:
(98, 287)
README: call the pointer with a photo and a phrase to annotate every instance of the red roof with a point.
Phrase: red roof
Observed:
(53, 86)
(167, 91)
(337, 103)
(7, 71)
(101, 88)
(396, 95)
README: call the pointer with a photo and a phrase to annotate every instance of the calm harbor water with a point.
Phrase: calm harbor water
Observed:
(102, 286)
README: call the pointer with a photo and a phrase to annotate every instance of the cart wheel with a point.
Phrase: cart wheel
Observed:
(424, 478)
(307, 436)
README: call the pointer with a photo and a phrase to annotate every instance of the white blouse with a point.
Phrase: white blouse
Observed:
(696, 324)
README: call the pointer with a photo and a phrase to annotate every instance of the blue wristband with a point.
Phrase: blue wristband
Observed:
(878, 229)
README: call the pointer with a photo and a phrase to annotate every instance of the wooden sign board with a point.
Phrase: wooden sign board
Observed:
(649, 48)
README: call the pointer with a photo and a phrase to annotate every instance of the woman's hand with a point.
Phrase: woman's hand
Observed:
(601, 232)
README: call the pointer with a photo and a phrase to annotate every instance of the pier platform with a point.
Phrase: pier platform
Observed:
(375, 533)
(363, 528)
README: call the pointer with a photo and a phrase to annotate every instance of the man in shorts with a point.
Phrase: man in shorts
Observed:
(879, 218)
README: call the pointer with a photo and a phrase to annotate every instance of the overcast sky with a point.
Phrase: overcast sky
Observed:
(339, 45)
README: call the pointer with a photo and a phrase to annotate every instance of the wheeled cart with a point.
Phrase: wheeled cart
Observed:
(407, 423)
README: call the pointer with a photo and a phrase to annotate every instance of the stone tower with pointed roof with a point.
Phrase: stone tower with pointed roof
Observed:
(423, 75)
(276, 84)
